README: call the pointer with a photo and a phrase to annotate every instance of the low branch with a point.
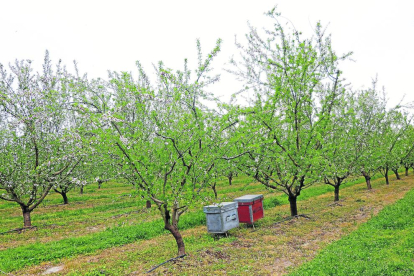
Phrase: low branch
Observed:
(18, 230)
(172, 259)
(234, 157)
(45, 193)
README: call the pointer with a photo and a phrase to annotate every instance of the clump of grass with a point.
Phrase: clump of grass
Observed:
(271, 202)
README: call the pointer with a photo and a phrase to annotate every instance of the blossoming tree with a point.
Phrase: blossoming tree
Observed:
(38, 143)
(166, 139)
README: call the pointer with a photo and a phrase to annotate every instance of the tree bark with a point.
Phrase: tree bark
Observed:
(65, 198)
(64, 195)
(406, 171)
(178, 238)
(396, 174)
(336, 192)
(230, 178)
(367, 180)
(214, 190)
(387, 181)
(293, 205)
(26, 216)
(148, 204)
(81, 190)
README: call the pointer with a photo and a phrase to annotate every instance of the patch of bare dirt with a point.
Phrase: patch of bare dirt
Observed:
(241, 244)
(278, 266)
(53, 270)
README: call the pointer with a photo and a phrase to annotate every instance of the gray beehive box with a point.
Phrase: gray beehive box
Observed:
(221, 217)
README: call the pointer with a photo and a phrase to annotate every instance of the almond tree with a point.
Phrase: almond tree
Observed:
(166, 139)
(102, 167)
(78, 176)
(229, 168)
(39, 145)
(295, 83)
(64, 184)
(338, 149)
(395, 142)
(407, 159)
(370, 117)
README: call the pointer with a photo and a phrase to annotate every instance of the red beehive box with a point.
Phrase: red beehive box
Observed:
(250, 208)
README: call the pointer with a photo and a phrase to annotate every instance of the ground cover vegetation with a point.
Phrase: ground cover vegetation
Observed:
(113, 223)
(277, 245)
(171, 141)
(382, 246)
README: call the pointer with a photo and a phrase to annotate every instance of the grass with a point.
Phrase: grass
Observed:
(271, 249)
(95, 211)
(115, 200)
(382, 246)
(16, 258)
(101, 205)
(25, 255)
(51, 211)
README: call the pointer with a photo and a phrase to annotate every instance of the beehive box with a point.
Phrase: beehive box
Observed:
(221, 217)
(250, 208)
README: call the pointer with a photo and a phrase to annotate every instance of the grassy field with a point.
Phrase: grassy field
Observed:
(109, 232)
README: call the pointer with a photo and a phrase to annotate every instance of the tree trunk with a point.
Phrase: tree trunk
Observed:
(214, 190)
(387, 181)
(148, 205)
(396, 174)
(367, 180)
(100, 182)
(65, 198)
(178, 238)
(230, 178)
(26, 216)
(406, 171)
(293, 205)
(336, 192)
(81, 190)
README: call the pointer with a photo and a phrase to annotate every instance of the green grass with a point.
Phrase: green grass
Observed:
(382, 246)
(113, 200)
(101, 204)
(16, 258)
(35, 253)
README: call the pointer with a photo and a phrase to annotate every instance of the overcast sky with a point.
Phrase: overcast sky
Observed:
(112, 35)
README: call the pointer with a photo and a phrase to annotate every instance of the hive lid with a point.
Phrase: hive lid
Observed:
(220, 207)
(248, 198)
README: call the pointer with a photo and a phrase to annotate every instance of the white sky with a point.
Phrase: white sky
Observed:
(112, 35)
